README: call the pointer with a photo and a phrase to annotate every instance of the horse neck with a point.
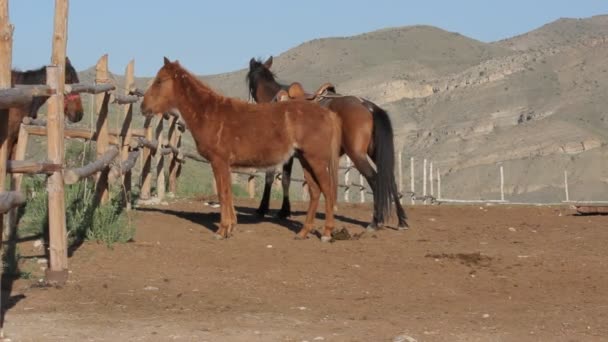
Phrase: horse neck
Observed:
(37, 76)
(194, 108)
(269, 89)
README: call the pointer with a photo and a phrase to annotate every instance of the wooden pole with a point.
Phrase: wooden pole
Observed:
(431, 178)
(346, 180)
(126, 133)
(424, 180)
(146, 176)
(16, 178)
(102, 101)
(58, 252)
(400, 173)
(566, 186)
(174, 140)
(438, 184)
(304, 191)
(412, 181)
(57, 225)
(362, 190)
(73, 176)
(502, 183)
(251, 186)
(6, 55)
(160, 161)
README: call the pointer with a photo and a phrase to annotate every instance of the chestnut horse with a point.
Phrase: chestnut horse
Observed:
(233, 133)
(366, 130)
(72, 103)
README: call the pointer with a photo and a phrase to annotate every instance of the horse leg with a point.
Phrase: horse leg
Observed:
(321, 174)
(221, 172)
(230, 200)
(264, 204)
(365, 168)
(285, 211)
(314, 194)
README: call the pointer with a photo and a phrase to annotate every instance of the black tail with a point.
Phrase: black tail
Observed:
(384, 158)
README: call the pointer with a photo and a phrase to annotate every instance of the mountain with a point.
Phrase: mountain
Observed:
(534, 103)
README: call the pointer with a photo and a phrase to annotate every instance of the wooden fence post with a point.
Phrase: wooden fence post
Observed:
(400, 173)
(55, 187)
(102, 101)
(16, 178)
(362, 189)
(6, 55)
(126, 133)
(424, 180)
(438, 184)
(502, 184)
(146, 176)
(251, 186)
(175, 141)
(346, 180)
(58, 270)
(160, 161)
(412, 180)
(304, 191)
(431, 178)
(566, 186)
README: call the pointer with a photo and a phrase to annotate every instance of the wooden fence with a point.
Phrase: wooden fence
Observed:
(117, 150)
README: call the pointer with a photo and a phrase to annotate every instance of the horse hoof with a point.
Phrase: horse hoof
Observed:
(299, 237)
(403, 227)
(217, 236)
(326, 238)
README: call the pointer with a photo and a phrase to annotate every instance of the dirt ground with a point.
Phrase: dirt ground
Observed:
(491, 273)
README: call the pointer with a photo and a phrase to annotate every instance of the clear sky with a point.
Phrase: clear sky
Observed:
(211, 37)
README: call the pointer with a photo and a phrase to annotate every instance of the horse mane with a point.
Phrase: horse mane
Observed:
(38, 76)
(33, 76)
(189, 80)
(260, 73)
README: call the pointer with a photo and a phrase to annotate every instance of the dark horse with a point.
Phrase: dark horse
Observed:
(72, 103)
(233, 133)
(366, 130)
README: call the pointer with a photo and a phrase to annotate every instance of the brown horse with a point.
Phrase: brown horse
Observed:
(366, 131)
(72, 103)
(233, 133)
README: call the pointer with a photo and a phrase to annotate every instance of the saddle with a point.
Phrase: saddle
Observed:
(297, 92)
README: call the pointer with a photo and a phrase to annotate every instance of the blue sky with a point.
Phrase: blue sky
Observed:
(211, 37)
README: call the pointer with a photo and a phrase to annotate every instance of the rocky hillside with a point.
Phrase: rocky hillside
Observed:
(534, 103)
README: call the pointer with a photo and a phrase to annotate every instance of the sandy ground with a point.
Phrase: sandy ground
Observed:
(472, 273)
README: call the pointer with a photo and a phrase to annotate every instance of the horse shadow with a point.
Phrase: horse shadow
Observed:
(210, 220)
(246, 215)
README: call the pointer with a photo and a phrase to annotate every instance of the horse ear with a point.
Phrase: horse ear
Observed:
(251, 63)
(67, 60)
(167, 61)
(268, 62)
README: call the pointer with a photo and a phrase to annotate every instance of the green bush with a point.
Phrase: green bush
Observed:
(85, 219)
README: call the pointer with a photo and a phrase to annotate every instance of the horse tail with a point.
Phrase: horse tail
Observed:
(384, 158)
(334, 159)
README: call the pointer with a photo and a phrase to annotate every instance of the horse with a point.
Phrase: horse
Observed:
(231, 133)
(72, 103)
(366, 131)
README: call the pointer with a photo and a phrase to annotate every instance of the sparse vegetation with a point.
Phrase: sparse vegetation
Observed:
(85, 219)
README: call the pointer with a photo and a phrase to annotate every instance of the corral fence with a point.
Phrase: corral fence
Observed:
(118, 150)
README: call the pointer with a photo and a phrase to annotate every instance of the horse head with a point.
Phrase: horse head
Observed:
(72, 104)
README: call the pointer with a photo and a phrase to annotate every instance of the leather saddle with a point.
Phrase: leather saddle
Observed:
(297, 92)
